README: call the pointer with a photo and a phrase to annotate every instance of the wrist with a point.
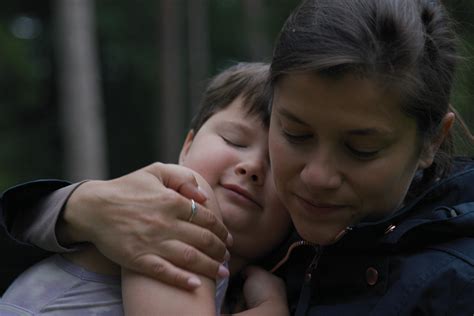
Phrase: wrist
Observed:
(72, 225)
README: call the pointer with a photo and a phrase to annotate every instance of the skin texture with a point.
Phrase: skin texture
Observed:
(240, 176)
(342, 151)
(146, 296)
(142, 225)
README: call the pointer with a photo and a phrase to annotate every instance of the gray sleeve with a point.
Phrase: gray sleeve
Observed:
(38, 225)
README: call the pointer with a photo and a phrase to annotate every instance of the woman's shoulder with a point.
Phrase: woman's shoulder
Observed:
(444, 272)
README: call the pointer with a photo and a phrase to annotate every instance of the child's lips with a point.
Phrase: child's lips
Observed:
(242, 193)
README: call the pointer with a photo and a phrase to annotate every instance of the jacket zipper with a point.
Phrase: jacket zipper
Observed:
(305, 293)
(289, 251)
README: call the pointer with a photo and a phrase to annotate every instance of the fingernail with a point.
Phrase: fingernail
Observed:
(227, 255)
(203, 192)
(230, 240)
(194, 282)
(223, 272)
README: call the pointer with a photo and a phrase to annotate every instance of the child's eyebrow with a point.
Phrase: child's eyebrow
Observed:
(236, 125)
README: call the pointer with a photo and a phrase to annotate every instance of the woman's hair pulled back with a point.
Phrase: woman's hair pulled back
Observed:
(408, 46)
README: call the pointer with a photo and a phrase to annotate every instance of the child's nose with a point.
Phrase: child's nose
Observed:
(254, 171)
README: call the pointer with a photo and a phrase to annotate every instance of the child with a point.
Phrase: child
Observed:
(227, 146)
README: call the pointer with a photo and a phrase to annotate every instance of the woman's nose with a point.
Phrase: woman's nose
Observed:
(320, 173)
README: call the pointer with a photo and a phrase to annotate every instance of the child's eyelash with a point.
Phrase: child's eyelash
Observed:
(232, 143)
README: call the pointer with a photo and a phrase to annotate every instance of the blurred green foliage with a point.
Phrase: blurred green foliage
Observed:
(30, 138)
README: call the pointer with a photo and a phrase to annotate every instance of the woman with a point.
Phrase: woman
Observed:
(361, 150)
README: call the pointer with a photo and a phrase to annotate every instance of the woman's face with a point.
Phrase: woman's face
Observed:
(341, 151)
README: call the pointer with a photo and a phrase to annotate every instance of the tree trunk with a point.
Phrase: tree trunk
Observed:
(172, 85)
(258, 46)
(79, 90)
(199, 54)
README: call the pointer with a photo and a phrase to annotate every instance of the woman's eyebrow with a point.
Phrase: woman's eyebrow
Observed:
(290, 116)
(369, 131)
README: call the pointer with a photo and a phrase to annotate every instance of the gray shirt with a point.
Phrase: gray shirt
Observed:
(56, 286)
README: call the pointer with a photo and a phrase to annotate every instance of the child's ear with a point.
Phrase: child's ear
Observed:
(186, 145)
(431, 147)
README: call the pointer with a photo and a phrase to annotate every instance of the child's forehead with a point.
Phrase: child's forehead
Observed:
(246, 109)
(239, 117)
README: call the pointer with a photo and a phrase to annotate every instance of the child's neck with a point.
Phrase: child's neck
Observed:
(236, 264)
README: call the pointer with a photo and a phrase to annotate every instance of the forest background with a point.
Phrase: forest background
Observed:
(96, 89)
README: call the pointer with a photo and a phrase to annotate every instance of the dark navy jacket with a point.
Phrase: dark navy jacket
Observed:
(420, 261)
(14, 205)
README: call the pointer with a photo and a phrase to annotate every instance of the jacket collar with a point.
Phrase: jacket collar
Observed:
(444, 211)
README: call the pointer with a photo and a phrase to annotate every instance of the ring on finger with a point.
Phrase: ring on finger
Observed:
(193, 211)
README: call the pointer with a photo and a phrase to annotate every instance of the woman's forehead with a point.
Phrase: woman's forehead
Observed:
(358, 106)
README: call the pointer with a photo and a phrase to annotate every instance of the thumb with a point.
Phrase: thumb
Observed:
(180, 179)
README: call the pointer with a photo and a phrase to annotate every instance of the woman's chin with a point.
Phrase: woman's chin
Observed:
(320, 235)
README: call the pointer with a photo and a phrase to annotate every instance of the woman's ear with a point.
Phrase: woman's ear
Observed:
(431, 147)
(186, 145)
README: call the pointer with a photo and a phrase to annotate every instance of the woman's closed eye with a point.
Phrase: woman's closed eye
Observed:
(296, 138)
(363, 154)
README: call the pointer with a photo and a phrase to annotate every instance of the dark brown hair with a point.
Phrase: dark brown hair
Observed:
(245, 80)
(407, 45)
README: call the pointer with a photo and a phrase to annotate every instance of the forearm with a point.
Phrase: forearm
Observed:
(143, 295)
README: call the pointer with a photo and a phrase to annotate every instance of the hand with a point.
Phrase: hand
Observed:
(264, 293)
(140, 221)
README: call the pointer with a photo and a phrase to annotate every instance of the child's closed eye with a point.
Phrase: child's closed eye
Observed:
(234, 142)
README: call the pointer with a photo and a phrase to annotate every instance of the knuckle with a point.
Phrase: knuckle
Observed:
(190, 255)
(210, 218)
(158, 269)
(156, 166)
(189, 176)
(169, 200)
(206, 238)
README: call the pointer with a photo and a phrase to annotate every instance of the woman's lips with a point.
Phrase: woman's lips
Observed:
(319, 208)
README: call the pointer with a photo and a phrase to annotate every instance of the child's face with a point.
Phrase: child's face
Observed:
(231, 152)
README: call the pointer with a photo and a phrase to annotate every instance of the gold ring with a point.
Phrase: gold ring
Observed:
(193, 211)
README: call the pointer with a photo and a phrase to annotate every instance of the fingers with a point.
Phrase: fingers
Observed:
(183, 180)
(160, 269)
(208, 220)
(193, 191)
(203, 240)
(189, 258)
(203, 217)
(179, 179)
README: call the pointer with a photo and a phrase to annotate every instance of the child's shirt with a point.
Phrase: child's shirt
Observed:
(56, 286)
